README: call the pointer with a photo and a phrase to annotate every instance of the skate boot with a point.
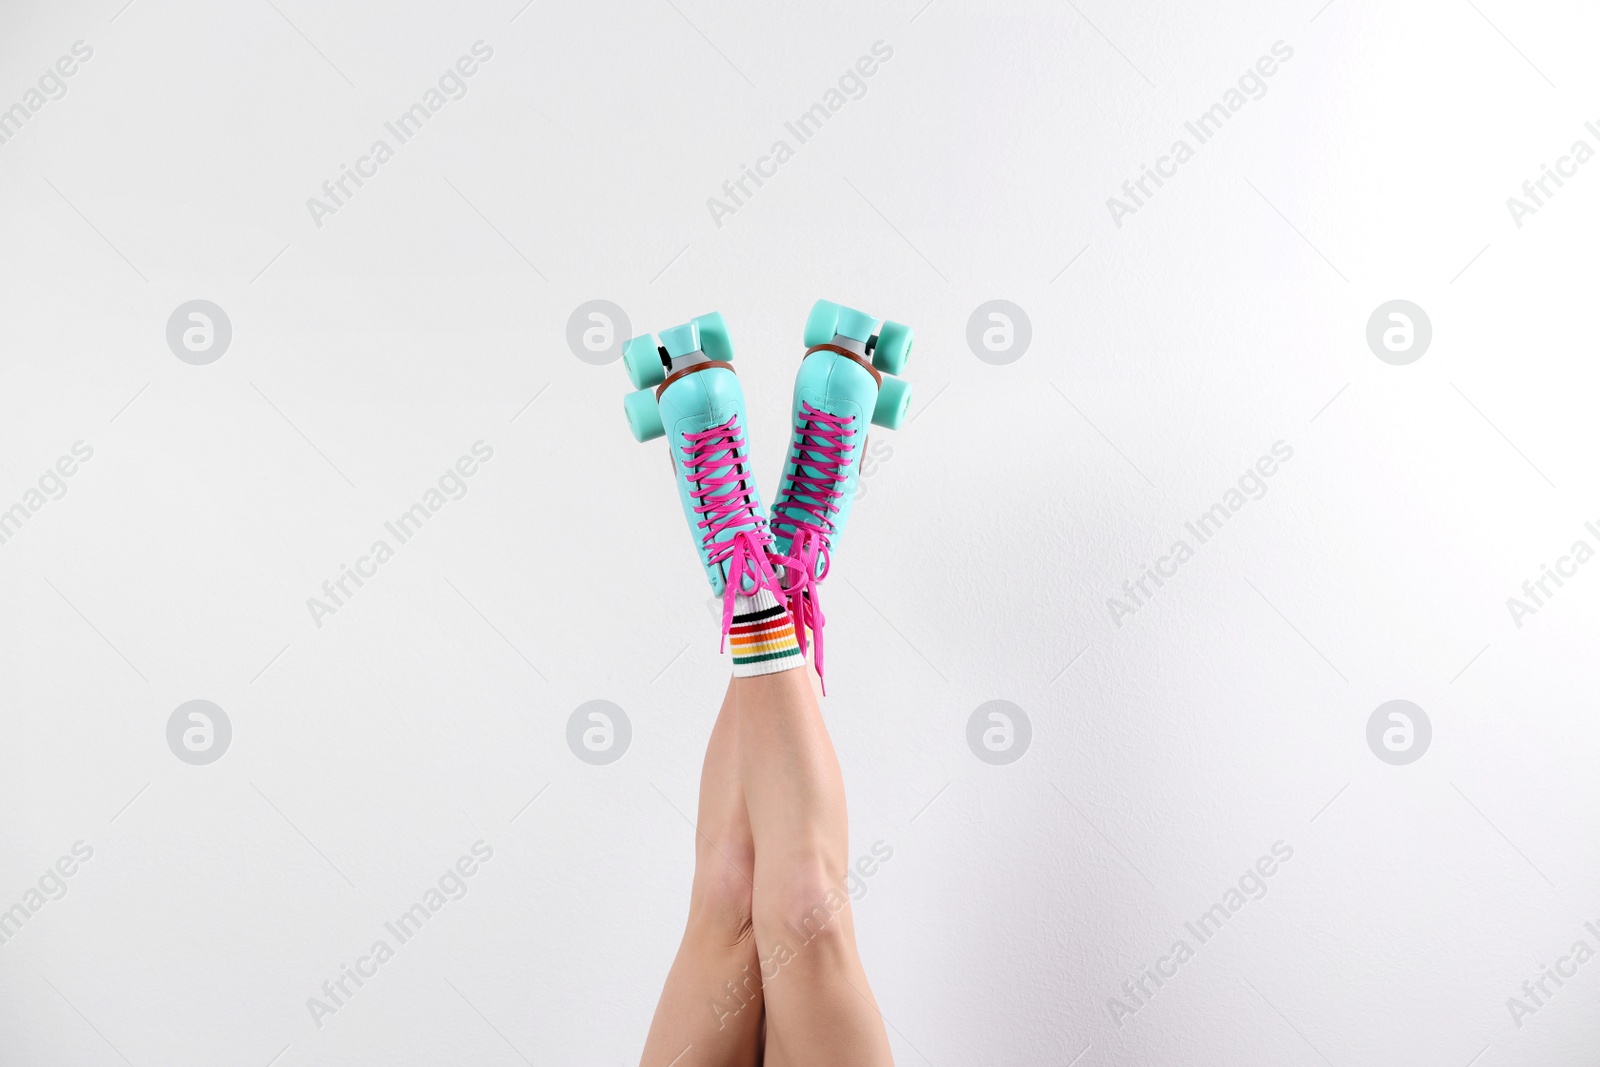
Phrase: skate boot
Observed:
(688, 393)
(844, 383)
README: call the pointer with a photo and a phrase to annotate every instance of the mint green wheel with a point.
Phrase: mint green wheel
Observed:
(894, 398)
(714, 340)
(822, 323)
(644, 416)
(893, 348)
(643, 362)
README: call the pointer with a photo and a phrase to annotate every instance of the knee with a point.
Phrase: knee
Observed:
(722, 901)
(803, 905)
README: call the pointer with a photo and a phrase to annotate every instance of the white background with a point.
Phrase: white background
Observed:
(1168, 753)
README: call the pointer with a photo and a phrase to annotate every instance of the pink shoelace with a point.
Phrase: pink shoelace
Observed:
(722, 500)
(824, 446)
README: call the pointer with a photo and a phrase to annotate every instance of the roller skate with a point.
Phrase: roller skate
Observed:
(846, 380)
(687, 392)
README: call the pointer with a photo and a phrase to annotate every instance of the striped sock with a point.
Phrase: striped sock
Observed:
(762, 637)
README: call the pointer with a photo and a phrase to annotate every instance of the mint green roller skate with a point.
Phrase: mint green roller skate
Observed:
(845, 381)
(688, 392)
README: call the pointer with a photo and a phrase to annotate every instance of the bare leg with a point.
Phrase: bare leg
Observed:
(820, 1010)
(710, 1010)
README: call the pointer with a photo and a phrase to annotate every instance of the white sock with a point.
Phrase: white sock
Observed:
(762, 638)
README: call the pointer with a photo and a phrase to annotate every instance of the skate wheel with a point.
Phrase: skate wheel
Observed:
(894, 399)
(893, 349)
(643, 362)
(714, 340)
(681, 340)
(821, 323)
(856, 325)
(644, 417)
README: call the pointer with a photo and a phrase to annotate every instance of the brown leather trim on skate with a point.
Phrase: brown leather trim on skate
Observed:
(876, 377)
(675, 375)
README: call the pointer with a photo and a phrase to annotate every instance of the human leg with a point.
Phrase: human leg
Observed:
(711, 1005)
(820, 1009)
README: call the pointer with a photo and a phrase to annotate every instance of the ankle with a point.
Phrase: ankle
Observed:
(762, 637)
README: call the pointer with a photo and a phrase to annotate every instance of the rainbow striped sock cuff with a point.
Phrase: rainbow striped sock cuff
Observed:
(762, 636)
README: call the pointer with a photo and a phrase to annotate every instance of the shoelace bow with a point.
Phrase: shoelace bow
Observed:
(824, 447)
(722, 501)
